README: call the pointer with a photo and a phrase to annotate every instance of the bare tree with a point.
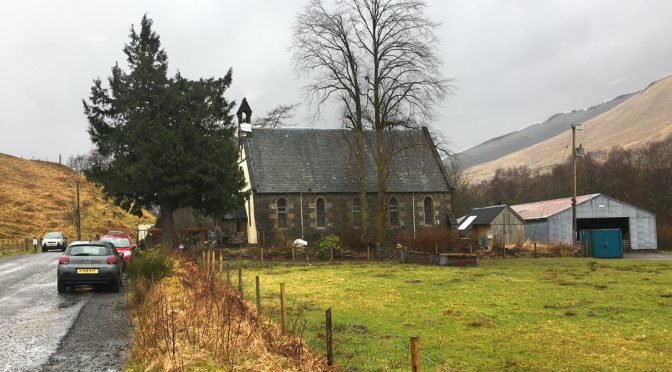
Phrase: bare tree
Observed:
(324, 49)
(277, 117)
(379, 59)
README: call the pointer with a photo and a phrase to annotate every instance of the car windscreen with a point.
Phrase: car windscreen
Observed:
(118, 242)
(88, 250)
(53, 236)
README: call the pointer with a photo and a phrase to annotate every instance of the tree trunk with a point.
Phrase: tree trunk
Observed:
(361, 173)
(167, 224)
(381, 173)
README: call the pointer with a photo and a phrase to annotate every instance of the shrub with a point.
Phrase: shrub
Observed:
(328, 243)
(429, 240)
(151, 265)
(351, 239)
(664, 235)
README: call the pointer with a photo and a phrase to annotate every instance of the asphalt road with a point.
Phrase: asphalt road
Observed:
(82, 330)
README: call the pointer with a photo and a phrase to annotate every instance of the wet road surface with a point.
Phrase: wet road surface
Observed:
(82, 330)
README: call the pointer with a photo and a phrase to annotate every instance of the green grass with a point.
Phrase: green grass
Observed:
(544, 314)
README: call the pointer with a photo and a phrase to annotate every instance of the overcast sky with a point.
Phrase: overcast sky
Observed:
(513, 62)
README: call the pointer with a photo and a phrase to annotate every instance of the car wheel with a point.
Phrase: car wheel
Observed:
(61, 286)
(116, 286)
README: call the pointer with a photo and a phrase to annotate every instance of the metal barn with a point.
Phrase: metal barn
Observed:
(550, 221)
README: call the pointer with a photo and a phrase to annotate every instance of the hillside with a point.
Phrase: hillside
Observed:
(644, 118)
(500, 146)
(36, 196)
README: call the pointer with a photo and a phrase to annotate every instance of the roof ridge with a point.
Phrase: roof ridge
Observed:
(557, 199)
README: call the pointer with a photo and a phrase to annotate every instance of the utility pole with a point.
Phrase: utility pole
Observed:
(79, 221)
(573, 184)
(574, 156)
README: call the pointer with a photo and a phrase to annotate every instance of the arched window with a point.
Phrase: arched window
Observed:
(319, 206)
(394, 212)
(356, 212)
(429, 211)
(282, 212)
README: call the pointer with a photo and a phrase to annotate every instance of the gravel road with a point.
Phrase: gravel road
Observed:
(82, 330)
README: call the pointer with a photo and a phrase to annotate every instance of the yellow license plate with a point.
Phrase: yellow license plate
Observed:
(87, 271)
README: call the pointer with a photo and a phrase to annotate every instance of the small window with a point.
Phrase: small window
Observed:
(429, 211)
(357, 212)
(282, 212)
(319, 205)
(394, 212)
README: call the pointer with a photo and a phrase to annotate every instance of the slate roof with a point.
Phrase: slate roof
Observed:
(546, 208)
(322, 160)
(483, 216)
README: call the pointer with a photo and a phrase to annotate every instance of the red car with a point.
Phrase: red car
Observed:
(123, 243)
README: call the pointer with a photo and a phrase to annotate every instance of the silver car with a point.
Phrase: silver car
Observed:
(54, 240)
(91, 263)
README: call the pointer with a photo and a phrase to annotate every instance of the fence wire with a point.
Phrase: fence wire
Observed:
(306, 321)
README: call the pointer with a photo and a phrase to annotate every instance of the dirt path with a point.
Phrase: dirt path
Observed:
(649, 255)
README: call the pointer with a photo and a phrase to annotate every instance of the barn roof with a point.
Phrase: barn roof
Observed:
(481, 216)
(322, 160)
(546, 208)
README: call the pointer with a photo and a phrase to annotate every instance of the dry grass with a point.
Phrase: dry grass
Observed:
(635, 123)
(35, 196)
(193, 321)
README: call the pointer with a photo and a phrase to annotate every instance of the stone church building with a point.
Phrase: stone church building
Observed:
(303, 183)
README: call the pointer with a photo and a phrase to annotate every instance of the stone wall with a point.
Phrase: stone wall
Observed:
(234, 232)
(339, 217)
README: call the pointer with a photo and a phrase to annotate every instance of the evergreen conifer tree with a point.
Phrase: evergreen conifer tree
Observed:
(166, 142)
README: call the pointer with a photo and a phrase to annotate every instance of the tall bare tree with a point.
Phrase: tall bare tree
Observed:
(324, 48)
(379, 59)
(277, 117)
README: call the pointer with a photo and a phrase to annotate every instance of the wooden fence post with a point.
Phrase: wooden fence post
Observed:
(415, 354)
(256, 282)
(283, 320)
(331, 254)
(214, 262)
(330, 340)
(221, 262)
(240, 281)
(228, 276)
(368, 253)
(203, 259)
(535, 250)
(261, 249)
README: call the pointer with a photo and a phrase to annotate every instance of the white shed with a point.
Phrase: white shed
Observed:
(550, 221)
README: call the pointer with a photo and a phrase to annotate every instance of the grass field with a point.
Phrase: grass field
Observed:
(543, 314)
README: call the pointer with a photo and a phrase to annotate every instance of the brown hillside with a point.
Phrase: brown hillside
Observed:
(642, 119)
(35, 197)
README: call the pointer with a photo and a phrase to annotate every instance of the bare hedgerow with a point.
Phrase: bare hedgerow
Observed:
(193, 319)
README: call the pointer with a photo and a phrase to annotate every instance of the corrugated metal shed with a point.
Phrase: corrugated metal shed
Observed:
(546, 208)
(550, 221)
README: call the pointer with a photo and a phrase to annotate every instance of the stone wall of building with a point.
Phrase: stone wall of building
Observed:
(339, 216)
(234, 233)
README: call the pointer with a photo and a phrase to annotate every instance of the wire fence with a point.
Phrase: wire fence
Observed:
(16, 245)
(355, 346)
